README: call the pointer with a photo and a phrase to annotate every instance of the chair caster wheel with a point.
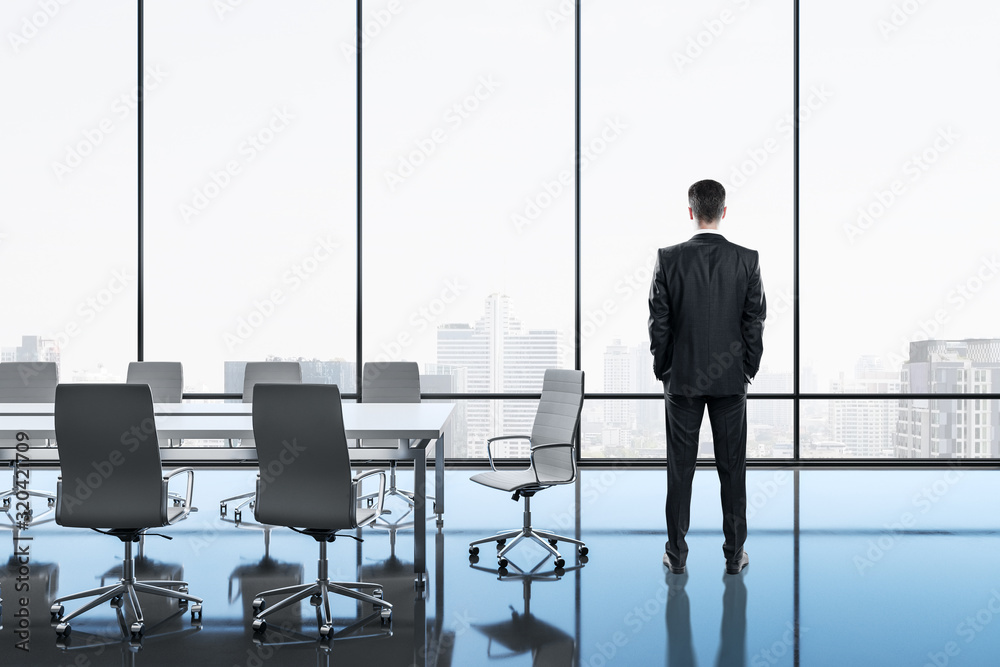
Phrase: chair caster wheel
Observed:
(553, 542)
(63, 630)
(52, 502)
(259, 626)
(258, 605)
(325, 631)
(56, 612)
(196, 613)
(503, 563)
(501, 544)
(315, 600)
(583, 551)
(560, 563)
(136, 631)
(238, 516)
(473, 551)
(473, 559)
(503, 572)
(222, 510)
(386, 615)
(116, 602)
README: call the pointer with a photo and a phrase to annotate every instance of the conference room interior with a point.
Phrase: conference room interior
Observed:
(481, 189)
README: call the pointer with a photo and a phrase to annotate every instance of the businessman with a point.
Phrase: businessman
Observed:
(706, 319)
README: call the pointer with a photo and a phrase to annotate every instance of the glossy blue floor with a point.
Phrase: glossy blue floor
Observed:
(847, 568)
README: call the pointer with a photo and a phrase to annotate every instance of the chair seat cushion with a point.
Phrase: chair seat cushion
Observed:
(364, 515)
(508, 480)
(174, 514)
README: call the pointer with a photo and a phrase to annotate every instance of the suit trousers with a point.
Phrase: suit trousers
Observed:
(728, 417)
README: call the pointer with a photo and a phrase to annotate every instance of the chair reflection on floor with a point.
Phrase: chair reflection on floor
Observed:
(41, 580)
(548, 645)
(266, 574)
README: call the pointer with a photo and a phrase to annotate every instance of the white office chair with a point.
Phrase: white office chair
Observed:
(553, 461)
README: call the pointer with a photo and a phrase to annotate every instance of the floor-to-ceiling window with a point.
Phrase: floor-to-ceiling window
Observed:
(469, 217)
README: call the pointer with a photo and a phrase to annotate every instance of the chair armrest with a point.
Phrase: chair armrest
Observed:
(565, 445)
(185, 500)
(356, 488)
(490, 441)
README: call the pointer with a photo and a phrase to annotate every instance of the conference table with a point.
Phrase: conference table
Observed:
(413, 425)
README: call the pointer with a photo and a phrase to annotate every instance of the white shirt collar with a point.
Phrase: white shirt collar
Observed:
(708, 231)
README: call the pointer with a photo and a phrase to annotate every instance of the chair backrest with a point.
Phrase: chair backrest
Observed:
(389, 382)
(109, 457)
(28, 381)
(305, 470)
(165, 379)
(557, 420)
(282, 372)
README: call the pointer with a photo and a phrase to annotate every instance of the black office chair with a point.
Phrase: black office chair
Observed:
(553, 461)
(305, 484)
(111, 481)
(282, 372)
(27, 382)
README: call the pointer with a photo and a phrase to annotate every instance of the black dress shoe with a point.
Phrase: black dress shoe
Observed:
(737, 566)
(674, 567)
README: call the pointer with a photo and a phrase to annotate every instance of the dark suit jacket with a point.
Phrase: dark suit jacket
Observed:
(706, 316)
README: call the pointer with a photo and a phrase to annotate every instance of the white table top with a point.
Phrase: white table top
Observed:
(212, 421)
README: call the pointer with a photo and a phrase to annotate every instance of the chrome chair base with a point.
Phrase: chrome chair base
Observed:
(127, 588)
(318, 593)
(546, 539)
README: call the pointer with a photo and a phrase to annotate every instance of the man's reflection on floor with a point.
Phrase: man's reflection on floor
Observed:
(733, 630)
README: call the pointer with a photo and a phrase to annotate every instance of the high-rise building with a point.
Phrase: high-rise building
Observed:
(32, 348)
(865, 427)
(499, 355)
(950, 428)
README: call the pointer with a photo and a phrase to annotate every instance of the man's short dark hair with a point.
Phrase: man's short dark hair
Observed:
(707, 199)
